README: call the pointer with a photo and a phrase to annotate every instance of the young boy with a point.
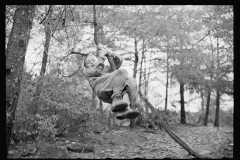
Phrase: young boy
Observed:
(111, 86)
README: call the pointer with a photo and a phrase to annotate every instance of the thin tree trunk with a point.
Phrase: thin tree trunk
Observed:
(202, 97)
(201, 116)
(166, 98)
(141, 64)
(136, 59)
(15, 57)
(132, 121)
(96, 41)
(209, 87)
(216, 123)
(145, 77)
(207, 107)
(183, 115)
(182, 102)
(37, 93)
(148, 79)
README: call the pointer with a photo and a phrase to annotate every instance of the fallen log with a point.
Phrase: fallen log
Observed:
(169, 131)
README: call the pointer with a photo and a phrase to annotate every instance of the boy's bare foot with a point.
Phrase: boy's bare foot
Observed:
(119, 104)
(128, 113)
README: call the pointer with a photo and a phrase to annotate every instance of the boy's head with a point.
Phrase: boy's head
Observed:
(90, 60)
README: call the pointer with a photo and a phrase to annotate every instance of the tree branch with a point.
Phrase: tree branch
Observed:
(46, 14)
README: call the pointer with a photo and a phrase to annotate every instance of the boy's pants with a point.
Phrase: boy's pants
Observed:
(114, 83)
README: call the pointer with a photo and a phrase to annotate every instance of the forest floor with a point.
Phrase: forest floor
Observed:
(138, 143)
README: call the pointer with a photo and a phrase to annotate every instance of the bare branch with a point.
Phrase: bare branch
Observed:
(46, 14)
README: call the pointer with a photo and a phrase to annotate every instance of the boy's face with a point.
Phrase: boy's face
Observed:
(90, 61)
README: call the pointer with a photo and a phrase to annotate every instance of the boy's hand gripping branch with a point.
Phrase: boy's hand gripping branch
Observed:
(105, 52)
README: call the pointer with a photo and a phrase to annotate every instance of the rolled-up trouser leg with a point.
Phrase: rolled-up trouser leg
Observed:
(131, 89)
(119, 82)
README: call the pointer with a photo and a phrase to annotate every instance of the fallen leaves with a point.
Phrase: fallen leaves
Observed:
(217, 142)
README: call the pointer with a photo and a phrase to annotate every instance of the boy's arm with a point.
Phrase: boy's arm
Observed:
(117, 61)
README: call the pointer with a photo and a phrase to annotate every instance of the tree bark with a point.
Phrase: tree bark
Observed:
(148, 75)
(201, 116)
(216, 123)
(145, 77)
(207, 107)
(147, 80)
(209, 86)
(15, 57)
(132, 121)
(166, 98)
(96, 41)
(202, 97)
(141, 64)
(136, 59)
(183, 115)
(37, 93)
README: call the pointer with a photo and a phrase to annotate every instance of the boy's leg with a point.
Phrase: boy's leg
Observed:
(129, 113)
(118, 103)
(130, 95)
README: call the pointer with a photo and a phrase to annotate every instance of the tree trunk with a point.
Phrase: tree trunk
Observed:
(216, 123)
(37, 93)
(202, 97)
(140, 74)
(96, 41)
(145, 77)
(136, 59)
(207, 107)
(166, 98)
(209, 86)
(141, 64)
(132, 121)
(183, 115)
(201, 116)
(148, 79)
(15, 57)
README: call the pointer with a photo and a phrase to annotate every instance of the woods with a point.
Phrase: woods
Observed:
(180, 55)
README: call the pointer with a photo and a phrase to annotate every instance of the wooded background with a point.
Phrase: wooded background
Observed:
(188, 47)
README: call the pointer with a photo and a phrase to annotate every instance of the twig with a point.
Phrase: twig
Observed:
(61, 12)
(46, 14)
(142, 136)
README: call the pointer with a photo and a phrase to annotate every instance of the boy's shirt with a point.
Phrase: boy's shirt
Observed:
(99, 69)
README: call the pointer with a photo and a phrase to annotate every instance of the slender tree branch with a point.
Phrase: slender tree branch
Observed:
(46, 14)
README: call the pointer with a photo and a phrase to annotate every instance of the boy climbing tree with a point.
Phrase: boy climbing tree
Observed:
(112, 86)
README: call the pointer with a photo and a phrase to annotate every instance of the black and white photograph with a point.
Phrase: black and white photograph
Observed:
(119, 81)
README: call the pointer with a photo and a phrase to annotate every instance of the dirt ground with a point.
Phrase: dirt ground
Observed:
(138, 143)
